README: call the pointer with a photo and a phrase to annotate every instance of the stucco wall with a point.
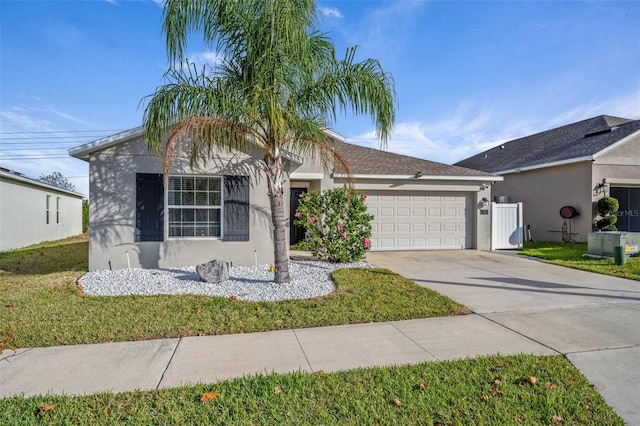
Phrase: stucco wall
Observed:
(544, 192)
(619, 167)
(112, 205)
(23, 217)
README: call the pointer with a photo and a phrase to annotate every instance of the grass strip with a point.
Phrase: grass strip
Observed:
(571, 255)
(40, 304)
(496, 390)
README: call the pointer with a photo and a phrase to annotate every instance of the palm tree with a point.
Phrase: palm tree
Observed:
(277, 84)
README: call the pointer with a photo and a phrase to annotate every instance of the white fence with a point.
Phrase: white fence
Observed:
(507, 230)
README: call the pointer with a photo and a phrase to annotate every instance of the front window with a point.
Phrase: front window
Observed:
(194, 204)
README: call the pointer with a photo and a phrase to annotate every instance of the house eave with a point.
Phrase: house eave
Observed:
(83, 152)
(38, 184)
(546, 165)
(492, 178)
(306, 176)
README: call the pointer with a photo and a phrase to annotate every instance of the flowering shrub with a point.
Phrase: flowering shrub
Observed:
(338, 227)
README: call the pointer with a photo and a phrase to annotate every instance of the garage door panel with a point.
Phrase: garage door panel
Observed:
(407, 220)
(450, 227)
(386, 228)
(435, 227)
(403, 227)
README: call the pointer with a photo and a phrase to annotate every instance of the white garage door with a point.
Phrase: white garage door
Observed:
(419, 220)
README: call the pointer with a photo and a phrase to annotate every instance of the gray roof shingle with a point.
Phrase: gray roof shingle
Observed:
(368, 161)
(577, 140)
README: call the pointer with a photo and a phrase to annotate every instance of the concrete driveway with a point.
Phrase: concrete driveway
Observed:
(594, 320)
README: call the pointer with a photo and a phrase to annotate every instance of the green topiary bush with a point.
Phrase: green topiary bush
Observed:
(606, 207)
(338, 226)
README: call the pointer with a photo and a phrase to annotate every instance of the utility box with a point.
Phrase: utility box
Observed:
(603, 243)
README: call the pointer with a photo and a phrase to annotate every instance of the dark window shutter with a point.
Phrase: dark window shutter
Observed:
(236, 208)
(149, 207)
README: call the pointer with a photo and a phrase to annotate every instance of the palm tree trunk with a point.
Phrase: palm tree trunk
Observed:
(280, 252)
(278, 219)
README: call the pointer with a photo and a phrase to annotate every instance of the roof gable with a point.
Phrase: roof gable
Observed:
(583, 139)
(362, 160)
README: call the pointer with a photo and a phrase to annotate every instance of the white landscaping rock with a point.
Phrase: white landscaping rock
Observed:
(308, 279)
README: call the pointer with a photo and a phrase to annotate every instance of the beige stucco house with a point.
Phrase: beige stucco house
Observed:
(32, 212)
(220, 209)
(573, 165)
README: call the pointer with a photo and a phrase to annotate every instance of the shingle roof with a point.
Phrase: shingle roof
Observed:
(368, 161)
(577, 140)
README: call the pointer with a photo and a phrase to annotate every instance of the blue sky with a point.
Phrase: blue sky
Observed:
(469, 75)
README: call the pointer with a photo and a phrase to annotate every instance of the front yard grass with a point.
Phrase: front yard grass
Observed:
(497, 390)
(40, 304)
(571, 255)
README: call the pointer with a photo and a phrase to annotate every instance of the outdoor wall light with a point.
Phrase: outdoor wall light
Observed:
(485, 201)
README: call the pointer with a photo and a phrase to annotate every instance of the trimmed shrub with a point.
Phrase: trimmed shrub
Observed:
(606, 207)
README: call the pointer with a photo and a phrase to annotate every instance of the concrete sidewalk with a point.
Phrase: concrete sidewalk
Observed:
(155, 364)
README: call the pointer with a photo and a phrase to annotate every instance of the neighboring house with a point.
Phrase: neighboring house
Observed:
(573, 165)
(32, 212)
(220, 209)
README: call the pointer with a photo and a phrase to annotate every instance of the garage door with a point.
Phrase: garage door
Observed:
(420, 220)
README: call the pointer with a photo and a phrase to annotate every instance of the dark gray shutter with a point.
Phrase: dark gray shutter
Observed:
(236, 208)
(149, 207)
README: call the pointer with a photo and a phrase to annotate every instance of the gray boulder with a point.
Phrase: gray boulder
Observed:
(213, 272)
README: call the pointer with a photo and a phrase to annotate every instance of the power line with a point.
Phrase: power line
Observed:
(33, 149)
(32, 138)
(61, 131)
(33, 157)
(35, 143)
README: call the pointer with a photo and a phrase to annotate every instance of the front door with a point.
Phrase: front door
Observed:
(296, 233)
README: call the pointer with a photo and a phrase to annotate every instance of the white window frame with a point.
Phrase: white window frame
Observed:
(172, 207)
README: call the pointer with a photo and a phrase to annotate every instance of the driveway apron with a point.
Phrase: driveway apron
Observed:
(593, 319)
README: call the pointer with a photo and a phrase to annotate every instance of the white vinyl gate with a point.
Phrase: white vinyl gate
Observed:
(507, 230)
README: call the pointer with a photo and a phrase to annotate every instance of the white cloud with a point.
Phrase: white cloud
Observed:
(469, 128)
(626, 106)
(200, 59)
(330, 12)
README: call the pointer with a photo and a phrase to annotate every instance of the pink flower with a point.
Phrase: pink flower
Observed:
(297, 214)
(306, 199)
(312, 219)
(364, 196)
(301, 195)
(367, 243)
(340, 227)
(344, 235)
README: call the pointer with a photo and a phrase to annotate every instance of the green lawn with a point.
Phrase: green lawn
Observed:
(571, 256)
(496, 390)
(40, 304)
